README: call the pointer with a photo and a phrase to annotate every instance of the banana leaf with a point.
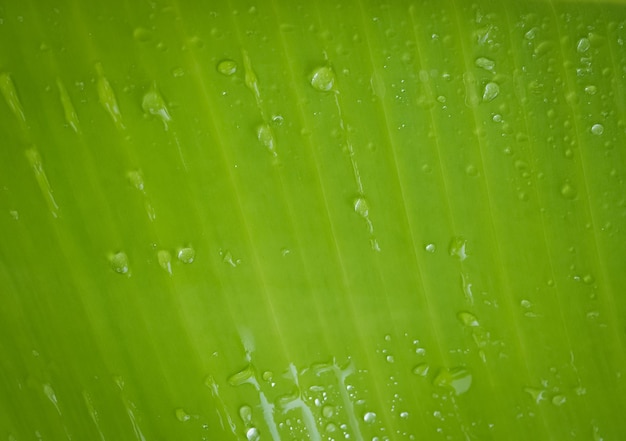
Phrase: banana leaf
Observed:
(289, 220)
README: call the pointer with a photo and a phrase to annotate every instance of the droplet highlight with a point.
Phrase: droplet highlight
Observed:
(119, 263)
(323, 79)
(491, 92)
(186, 255)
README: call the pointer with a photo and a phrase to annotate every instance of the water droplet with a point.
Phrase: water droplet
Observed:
(526, 304)
(591, 89)
(331, 427)
(530, 34)
(7, 87)
(559, 400)
(597, 129)
(421, 369)
(457, 380)
(431, 248)
(328, 411)
(227, 67)
(537, 395)
(568, 191)
(404, 415)
(119, 262)
(245, 412)
(361, 207)
(588, 279)
(228, 258)
(369, 417)
(265, 135)
(468, 319)
(457, 248)
(107, 99)
(181, 415)
(485, 63)
(241, 377)
(71, 117)
(323, 79)
(142, 35)
(583, 45)
(154, 104)
(136, 179)
(491, 91)
(178, 72)
(390, 359)
(186, 255)
(252, 434)
(165, 260)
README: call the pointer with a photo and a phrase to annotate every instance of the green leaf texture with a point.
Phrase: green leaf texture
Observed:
(294, 220)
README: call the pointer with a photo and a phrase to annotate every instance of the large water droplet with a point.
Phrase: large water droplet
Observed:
(491, 91)
(328, 411)
(227, 67)
(186, 255)
(457, 380)
(252, 434)
(361, 207)
(119, 263)
(369, 417)
(323, 79)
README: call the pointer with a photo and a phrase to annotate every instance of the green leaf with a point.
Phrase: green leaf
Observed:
(312, 220)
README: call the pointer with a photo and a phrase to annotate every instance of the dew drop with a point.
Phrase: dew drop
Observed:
(559, 400)
(154, 104)
(369, 417)
(457, 248)
(404, 415)
(491, 91)
(361, 207)
(323, 79)
(421, 369)
(328, 411)
(165, 260)
(457, 380)
(181, 415)
(431, 248)
(583, 45)
(591, 89)
(227, 67)
(597, 129)
(245, 412)
(119, 262)
(568, 191)
(485, 63)
(468, 319)
(265, 135)
(331, 427)
(537, 395)
(390, 359)
(186, 255)
(252, 434)
(588, 279)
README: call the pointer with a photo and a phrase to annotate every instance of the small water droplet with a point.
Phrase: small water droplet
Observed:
(583, 45)
(331, 427)
(227, 67)
(588, 279)
(404, 415)
(597, 129)
(119, 262)
(181, 415)
(468, 319)
(265, 135)
(491, 91)
(154, 104)
(537, 395)
(178, 72)
(186, 255)
(165, 260)
(559, 400)
(457, 248)
(568, 191)
(361, 207)
(323, 79)
(390, 359)
(7, 87)
(421, 369)
(591, 89)
(526, 304)
(457, 380)
(369, 417)
(530, 34)
(245, 412)
(142, 35)
(430, 247)
(228, 258)
(328, 411)
(485, 63)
